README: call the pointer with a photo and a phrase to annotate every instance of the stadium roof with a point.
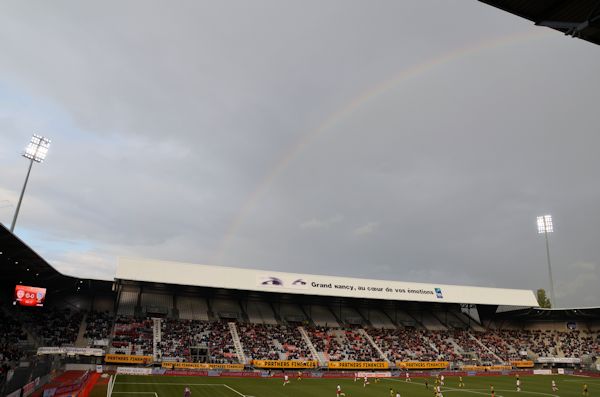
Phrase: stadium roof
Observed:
(577, 18)
(541, 314)
(153, 271)
(20, 264)
(17, 258)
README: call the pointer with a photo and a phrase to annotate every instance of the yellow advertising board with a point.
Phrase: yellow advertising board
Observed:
(284, 364)
(124, 358)
(485, 367)
(175, 365)
(358, 365)
(422, 364)
(522, 364)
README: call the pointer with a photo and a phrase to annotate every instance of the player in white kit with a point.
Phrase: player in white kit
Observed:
(286, 380)
(438, 391)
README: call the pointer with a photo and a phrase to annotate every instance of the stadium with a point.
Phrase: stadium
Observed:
(167, 328)
(219, 324)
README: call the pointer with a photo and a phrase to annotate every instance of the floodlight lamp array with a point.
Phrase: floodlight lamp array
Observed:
(544, 224)
(37, 148)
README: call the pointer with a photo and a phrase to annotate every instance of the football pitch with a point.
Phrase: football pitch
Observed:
(504, 386)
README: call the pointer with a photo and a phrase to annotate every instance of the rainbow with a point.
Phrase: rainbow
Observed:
(373, 92)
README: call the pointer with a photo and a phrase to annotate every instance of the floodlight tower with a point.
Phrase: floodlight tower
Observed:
(36, 151)
(545, 226)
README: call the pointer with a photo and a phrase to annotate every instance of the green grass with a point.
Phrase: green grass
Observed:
(100, 391)
(172, 386)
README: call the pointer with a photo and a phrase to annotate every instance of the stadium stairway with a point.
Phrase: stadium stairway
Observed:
(237, 343)
(156, 337)
(366, 335)
(485, 347)
(279, 347)
(81, 340)
(311, 347)
(457, 348)
(430, 344)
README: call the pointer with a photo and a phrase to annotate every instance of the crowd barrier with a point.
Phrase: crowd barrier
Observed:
(422, 364)
(284, 364)
(178, 365)
(358, 365)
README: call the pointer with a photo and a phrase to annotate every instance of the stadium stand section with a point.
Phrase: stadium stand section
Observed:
(273, 342)
(98, 326)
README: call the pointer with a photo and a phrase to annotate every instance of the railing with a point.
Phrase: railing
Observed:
(311, 347)
(237, 343)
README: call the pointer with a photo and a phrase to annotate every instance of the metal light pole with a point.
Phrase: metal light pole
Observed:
(36, 151)
(545, 226)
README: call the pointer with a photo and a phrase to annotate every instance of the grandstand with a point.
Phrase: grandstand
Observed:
(220, 318)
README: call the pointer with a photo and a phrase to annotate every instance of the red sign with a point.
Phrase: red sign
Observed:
(30, 296)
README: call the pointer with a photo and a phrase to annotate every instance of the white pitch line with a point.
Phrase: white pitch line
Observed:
(180, 384)
(135, 392)
(171, 383)
(233, 390)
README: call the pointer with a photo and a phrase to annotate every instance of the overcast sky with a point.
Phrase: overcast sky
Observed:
(406, 140)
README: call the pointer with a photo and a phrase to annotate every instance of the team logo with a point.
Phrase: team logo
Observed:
(282, 281)
(438, 293)
(20, 294)
(271, 281)
(40, 295)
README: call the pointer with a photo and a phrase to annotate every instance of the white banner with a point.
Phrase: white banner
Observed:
(542, 372)
(374, 374)
(558, 360)
(309, 284)
(134, 371)
(50, 350)
(70, 351)
(84, 351)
